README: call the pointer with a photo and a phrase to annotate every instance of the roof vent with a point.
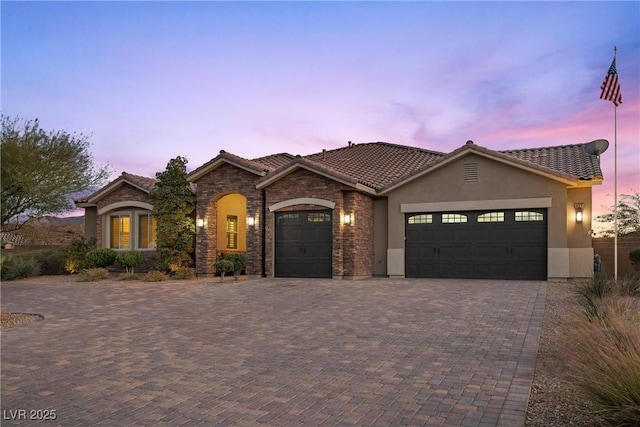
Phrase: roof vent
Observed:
(324, 154)
(470, 172)
(349, 143)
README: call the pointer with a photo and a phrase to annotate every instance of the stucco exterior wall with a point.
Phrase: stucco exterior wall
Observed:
(380, 236)
(497, 182)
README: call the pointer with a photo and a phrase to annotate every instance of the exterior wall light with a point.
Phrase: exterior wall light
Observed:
(578, 207)
(251, 221)
(347, 219)
(200, 222)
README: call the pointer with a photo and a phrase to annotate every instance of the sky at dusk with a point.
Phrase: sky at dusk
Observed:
(149, 81)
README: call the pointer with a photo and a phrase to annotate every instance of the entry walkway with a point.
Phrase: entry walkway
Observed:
(272, 351)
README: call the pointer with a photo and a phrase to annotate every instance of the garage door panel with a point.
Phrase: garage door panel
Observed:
(303, 244)
(499, 247)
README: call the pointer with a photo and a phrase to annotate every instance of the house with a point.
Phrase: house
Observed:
(378, 209)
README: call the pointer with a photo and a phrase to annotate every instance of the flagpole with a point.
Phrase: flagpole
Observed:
(615, 185)
(615, 197)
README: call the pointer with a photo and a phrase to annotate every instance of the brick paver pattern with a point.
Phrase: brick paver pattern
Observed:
(273, 352)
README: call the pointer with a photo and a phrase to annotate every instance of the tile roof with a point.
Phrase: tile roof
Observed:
(375, 164)
(569, 159)
(143, 182)
(275, 161)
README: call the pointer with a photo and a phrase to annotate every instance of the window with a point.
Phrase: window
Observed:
(318, 217)
(491, 217)
(453, 218)
(420, 219)
(130, 230)
(232, 232)
(146, 231)
(529, 216)
(289, 218)
(120, 231)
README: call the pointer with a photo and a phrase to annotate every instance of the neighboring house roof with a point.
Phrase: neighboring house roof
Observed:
(141, 182)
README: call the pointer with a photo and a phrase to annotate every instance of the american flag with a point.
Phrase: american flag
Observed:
(611, 86)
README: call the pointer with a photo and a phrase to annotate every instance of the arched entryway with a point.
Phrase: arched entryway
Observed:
(231, 223)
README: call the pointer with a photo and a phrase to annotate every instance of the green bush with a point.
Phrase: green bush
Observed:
(605, 353)
(239, 261)
(100, 258)
(129, 260)
(20, 269)
(591, 290)
(93, 274)
(76, 252)
(184, 273)
(154, 276)
(634, 256)
(223, 267)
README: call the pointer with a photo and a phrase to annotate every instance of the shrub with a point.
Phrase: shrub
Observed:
(5, 259)
(605, 353)
(239, 261)
(155, 276)
(127, 276)
(129, 260)
(634, 256)
(54, 262)
(20, 269)
(76, 252)
(93, 274)
(592, 289)
(184, 273)
(100, 258)
(223, 267)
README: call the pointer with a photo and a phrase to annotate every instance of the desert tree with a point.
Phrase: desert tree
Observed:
(41, 170)
(628, 216)
(174, 206)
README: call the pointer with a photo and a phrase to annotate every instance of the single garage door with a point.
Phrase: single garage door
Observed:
(303, 244)
(501, 244)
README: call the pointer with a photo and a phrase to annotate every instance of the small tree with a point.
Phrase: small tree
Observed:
(239, 261)
(173, 205)
(628, 216)
(223, 267)
(40, 170)
(129, 260)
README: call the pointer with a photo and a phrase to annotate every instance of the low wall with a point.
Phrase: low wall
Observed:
(604, 246)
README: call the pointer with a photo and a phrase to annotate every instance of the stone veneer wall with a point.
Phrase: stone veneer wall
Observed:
(359, 241)
(224, 180)
(123, 193)
(352, 245)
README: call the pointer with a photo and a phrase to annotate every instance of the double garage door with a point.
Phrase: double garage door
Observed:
(501, 244)
(303, 244)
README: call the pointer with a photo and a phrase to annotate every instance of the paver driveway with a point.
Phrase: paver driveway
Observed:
(273, 352)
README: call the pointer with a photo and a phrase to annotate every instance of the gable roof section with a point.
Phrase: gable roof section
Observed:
(570, 159)
(142, 183)
(275, 161)
(252, 166)
(375, 164)
(315, 167)
(561, 163)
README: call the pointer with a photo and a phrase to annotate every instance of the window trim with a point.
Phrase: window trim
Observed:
(134, 218)
(232, 219)
(138, 215)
